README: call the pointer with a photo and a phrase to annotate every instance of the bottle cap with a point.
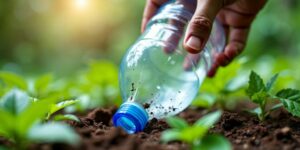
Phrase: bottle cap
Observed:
(131, 117)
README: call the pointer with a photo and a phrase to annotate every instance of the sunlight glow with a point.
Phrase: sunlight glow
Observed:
(81, 4)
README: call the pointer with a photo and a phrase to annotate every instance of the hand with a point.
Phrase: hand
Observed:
(235, 15)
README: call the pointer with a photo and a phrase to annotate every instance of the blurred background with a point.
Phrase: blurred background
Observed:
(62, 36)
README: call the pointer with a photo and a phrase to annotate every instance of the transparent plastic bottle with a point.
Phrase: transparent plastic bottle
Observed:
(158, 77)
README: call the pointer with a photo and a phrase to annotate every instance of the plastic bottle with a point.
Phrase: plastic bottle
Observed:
(158, 78)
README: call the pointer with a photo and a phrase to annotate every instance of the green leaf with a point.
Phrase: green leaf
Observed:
(170, 135)
(271, 82)
(256, 111)
(7, 123)
(177, 123)
(205, 100)
(15, 101)
(259, 97)
(3, 148)
(192, 134)
(189, 135)
(235, 84)
(56, 107)
(53, 132)
(42, 83)
(275, 107)
(291, 100)
(214, 142)
(103, 72)
(33, 113)
(221, 81)
(66, 117)
(256, 84)
(13, 80)
(209, 120)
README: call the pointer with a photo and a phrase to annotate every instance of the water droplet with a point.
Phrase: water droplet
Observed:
(169, 58)
(158, 87)
(172, 62)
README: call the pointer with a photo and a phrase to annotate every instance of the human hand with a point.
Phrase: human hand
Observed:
(236, 17)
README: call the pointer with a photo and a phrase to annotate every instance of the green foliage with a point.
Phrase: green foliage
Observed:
(53, 132)
(19, 114)
(178, 123)
(15, 101)
(66, 117)
(41, 85)
(290, 98)
(271, 82)
(260, 94)
(56, 107)
(209, 120)
(96, 86)
(196, 134)
(93, 87)
(224, 88)
(13, 80)
(256, 84)
(3, 148)
(214, 142)
(26, 113)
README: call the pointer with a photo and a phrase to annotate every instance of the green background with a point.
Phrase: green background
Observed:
(62, 36)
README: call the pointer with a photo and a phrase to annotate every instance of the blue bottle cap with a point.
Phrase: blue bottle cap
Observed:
(131, 117)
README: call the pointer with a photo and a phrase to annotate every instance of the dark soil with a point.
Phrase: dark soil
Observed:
(280, 131)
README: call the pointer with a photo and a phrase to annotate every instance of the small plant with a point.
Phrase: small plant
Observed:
(96, 86)
(22, 121)
(260, 93)
(61, 105)
(196, 134)
(224, 88)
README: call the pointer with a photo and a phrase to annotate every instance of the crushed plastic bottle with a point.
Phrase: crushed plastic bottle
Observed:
(158, 77)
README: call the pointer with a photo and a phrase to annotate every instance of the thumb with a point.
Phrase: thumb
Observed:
(198, 29)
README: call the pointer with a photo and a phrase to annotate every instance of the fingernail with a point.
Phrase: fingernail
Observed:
(194, 43)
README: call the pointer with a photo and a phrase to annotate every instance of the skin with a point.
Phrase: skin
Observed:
(236, 17)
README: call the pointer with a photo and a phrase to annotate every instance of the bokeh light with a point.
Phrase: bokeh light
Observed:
(81, 4)
(62, 35)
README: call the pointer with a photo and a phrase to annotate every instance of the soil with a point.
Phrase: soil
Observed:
(280, 131)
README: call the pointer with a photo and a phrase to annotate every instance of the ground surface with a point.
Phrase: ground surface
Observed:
(280, 131)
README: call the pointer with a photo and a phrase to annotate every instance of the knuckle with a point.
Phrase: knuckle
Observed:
(227, 2)
(202, 22)
(158, 2)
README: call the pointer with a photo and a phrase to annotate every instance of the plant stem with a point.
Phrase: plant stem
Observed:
(262, 116)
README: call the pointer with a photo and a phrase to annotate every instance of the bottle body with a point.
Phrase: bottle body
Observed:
(158, 78)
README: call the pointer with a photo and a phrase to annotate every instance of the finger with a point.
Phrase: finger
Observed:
(150, 10)
(216, 40)
(236, 44)
(191, 61)
(173, 38)
(199, 27)
(248, 7)
(211, 73)
(172, 43)
(236, 19)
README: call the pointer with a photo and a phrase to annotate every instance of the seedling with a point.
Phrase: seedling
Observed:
(224, 88)
(197, 134)
(93, 87)
(21, 121)
(261, 94)
(56, 107)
